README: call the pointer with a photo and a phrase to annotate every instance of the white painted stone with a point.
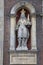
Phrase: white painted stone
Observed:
(23, 58)
(12, 33)
(33, 33)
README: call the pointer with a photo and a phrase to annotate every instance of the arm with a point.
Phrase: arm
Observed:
(17, 26)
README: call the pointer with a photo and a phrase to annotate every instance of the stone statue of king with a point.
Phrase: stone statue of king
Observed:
(23, 31)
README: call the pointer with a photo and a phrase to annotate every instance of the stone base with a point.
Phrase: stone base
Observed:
(23, 58)
(21, 48)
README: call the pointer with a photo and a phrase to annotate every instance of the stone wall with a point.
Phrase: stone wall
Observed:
(7, 8)
(1, 30)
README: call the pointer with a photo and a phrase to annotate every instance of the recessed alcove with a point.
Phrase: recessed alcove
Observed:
(15, 14)
(18, 13)
(32, 46)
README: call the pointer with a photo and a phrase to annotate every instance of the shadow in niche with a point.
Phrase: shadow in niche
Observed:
(17, 18)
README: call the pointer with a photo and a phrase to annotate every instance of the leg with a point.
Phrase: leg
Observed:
(19, 42)
(23, 42)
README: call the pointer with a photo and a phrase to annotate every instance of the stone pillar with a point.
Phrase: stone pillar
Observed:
(1, 30)
(12, 32)
(33, 32)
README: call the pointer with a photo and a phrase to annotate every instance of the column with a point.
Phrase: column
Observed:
(12, 32)
(33, 33)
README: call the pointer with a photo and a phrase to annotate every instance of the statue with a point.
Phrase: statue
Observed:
(23, 32)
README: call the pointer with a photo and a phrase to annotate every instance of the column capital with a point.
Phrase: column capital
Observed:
(12, 15)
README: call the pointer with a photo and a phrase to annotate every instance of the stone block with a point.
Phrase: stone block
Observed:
(23, 58)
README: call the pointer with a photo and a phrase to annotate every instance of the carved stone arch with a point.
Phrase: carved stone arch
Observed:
(14, 9)
(20, 4)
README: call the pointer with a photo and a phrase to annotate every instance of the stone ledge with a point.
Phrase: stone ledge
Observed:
(28, 51)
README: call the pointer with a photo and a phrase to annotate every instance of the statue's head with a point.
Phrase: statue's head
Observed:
(22, 17)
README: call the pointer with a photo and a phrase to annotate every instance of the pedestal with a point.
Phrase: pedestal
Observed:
(23, 58)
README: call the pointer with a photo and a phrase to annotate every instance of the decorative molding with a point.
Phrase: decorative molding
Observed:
(20, 4)
(33, 14)
(28, 51)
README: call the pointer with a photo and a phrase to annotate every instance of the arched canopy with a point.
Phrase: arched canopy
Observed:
(13, 11)
(21, 4)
